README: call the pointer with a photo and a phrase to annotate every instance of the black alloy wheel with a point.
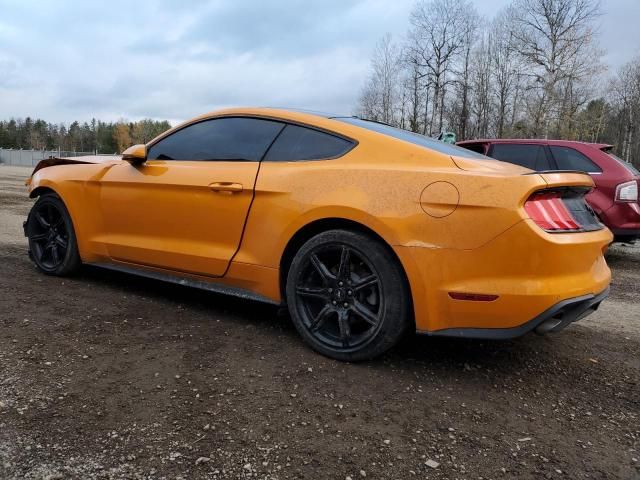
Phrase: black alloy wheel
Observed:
(52, 241)
(347, 295)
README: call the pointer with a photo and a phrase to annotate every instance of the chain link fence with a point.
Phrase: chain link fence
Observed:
(29, 158)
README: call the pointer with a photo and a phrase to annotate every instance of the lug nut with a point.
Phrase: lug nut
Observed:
(346, 304)
(340, 284)
(334, 302)
(330, 290)
(349, 292)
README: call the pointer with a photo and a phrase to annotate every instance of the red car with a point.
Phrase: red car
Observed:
(615, 197)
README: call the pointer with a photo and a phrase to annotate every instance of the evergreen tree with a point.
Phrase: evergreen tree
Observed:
(98, 136)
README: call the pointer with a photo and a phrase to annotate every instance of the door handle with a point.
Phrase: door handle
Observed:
(229, 187)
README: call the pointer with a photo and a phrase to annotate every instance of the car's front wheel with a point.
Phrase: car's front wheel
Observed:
(52, 240)
(347, 295)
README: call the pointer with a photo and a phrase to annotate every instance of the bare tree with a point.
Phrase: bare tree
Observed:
(592, 120)
(555, 39)
(414, 86)
(481, 80)
(368, 102)
(534, 72)
(438, 33)
(625, 93)
(506, 69)
(380, 96)
(463, 73)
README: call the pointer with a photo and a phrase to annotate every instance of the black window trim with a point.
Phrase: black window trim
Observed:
(354, 143)
(552, 160)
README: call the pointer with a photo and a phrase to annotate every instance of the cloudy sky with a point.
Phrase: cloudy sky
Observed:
(65, 60)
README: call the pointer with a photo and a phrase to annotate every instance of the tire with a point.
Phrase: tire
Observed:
(53, 246)
(347, 295)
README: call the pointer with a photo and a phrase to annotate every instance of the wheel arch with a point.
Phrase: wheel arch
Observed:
(58, 228)
(42, 190)
(308, 231)
(45, 186)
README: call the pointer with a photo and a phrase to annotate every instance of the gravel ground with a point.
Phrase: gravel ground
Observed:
(109, 376)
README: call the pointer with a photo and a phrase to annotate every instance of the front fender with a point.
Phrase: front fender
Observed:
(77, 184)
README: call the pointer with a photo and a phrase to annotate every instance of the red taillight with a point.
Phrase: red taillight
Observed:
(550, 213)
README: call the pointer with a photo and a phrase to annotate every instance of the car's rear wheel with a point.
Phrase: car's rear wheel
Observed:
(52, 240)
(347, 295)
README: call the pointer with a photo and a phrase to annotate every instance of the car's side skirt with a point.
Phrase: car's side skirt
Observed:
(186, 281)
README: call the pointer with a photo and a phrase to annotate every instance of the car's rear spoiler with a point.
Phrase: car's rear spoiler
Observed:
(565, 178)
(605, 147)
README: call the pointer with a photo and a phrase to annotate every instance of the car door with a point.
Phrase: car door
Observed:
(185, 208)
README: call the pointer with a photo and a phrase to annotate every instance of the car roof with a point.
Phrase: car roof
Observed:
(540, 141)
(317, 113)
(284, 112)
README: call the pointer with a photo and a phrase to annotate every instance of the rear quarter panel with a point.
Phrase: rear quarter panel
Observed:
(382, 186)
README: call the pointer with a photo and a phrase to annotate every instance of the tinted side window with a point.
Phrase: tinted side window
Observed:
(529, 156)
(218, 139)
(300, 143)
(570, 159)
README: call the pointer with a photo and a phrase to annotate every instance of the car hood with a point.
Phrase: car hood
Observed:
(96, 159)
(105, 159)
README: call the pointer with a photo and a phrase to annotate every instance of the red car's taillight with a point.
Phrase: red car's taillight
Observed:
(627, 192)
(549, 212)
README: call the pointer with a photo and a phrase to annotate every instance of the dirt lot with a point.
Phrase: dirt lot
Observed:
(105, 375)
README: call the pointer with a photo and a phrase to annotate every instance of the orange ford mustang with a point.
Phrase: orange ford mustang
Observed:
(362, 230)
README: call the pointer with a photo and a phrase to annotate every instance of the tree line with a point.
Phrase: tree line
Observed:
(95, 136)
(534, 70)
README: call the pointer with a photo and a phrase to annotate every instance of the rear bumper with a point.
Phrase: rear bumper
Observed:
(625, 234)
(554, 319)
(531, 273)
(623, 219)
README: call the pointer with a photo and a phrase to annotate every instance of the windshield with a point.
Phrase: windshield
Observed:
(415, 138)
(626, 165)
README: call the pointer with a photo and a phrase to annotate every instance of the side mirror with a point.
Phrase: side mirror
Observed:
(136, 154)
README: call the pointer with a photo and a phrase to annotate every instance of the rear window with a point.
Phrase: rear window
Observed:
(475, 147)
(415, 138)
(569, 158)
(626, 165)
(528, 156)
